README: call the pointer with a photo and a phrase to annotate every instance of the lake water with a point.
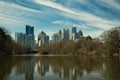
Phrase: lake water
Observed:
(55, 67)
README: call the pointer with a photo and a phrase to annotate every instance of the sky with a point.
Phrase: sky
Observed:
(91, 16)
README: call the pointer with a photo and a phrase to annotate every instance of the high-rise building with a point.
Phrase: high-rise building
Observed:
(30, 40)
(20, 38)
(30, 35)
(46, 39)
(56, 37)
(78, 35)
(60, 33)
(29, 29)
(27, 39)
(65, 34)
(73, 30)
(43, 38)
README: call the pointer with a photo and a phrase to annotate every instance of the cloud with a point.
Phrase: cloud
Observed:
(110, 3)
(54, 14)
(97, 8)
(4, 5)
(16, 15)
(54, 5)
(82, 1)
(69, 23)
(92, 33)
(88, 18)
(6, 19)
(61, 22)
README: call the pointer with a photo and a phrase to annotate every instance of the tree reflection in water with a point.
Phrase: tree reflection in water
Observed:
(58, 68)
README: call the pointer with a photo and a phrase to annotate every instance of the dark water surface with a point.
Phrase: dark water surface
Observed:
(58, 68)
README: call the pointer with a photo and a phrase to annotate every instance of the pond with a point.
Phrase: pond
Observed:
(56, 67)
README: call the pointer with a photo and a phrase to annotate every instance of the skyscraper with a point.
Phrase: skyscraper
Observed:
(30, 40)
(72, 31)
(27, 39)
(43, 38)
(60, 33)
(29, 29)
(78, 35)
(65, 34)
(55, 37)
(20, 38)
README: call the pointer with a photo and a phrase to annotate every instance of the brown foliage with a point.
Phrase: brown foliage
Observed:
(8, 46)
(112, 40)
(86, 46)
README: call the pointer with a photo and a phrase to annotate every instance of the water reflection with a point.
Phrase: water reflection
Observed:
(58, 68)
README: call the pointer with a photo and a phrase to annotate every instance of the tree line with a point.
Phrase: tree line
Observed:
(107, 45)
(8, 46)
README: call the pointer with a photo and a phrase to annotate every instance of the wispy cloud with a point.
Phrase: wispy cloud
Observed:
(4, 5)
(82, 1)
(110, 3)
(69, 23)
(6, 19)
(80, 15)
(53, 14)
(54, 5)
(15, 15)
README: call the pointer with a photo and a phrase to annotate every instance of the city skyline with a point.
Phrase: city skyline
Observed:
(28, 38)
(92, 17)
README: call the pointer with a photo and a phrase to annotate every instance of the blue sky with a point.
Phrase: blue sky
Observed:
(91, 16)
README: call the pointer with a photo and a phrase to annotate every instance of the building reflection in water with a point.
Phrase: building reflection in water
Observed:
(59, 68)
(42, 68)
(27, 68)
(63, 72)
